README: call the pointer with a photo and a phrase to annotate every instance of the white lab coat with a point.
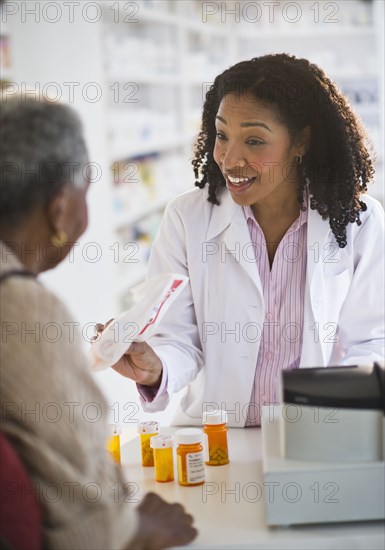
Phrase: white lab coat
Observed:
(209, 339)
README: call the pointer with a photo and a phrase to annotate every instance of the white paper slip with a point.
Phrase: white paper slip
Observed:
(151, 300)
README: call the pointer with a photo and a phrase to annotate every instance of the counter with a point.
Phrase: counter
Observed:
(229, 509)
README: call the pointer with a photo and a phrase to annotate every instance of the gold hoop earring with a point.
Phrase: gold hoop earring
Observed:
(60, 239)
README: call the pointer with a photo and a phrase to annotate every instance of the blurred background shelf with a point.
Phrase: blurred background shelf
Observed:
(123, 150)
(125, 220)
(339, 32)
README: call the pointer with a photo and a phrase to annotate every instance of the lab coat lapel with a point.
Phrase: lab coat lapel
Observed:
(317, 232)
(228, 226)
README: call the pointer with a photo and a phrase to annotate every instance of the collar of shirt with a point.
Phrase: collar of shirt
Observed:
(302, 218)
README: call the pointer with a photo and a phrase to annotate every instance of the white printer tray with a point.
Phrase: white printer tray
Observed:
(299, 492)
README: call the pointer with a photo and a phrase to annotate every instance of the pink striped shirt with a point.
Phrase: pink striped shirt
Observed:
(283, 290)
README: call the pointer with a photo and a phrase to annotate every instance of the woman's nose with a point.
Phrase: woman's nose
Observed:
(232, 159)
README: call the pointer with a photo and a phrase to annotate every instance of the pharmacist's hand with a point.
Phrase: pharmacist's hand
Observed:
(99, 327)
(162, 525)
(141, 364)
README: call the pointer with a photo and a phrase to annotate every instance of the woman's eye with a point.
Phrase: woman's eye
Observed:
(220, 135)
(255, 142)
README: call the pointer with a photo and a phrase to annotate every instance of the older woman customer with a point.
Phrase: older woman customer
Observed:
(45, 380)
(283, 248)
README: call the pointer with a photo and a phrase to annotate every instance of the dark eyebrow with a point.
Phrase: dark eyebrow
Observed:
(246, 124)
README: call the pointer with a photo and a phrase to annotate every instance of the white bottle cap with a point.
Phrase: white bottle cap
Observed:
(148, 427)
(161, 441)
(188, 436)
(215, 417)
(114, 429)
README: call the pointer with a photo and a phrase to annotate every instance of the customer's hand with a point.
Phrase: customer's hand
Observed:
(162, 525)
(140, 362)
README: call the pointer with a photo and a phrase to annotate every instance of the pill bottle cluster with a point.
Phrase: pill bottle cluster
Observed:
(194, 448)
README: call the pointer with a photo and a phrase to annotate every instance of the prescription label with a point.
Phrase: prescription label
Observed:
(195, 467)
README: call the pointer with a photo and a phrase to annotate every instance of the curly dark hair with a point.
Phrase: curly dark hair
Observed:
(337, 166)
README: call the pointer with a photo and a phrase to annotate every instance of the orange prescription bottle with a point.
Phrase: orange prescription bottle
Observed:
(191, 468)
(162, 446)
(113, 443)
(215, 434)
(147, 430)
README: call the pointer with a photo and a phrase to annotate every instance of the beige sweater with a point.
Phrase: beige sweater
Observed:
(55, 415)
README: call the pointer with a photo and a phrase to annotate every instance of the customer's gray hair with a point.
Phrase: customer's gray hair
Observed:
(42, 150)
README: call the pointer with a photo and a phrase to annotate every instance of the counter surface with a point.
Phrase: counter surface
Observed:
(229, 508)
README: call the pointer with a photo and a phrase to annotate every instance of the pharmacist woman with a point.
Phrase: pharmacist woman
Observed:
(284, 251)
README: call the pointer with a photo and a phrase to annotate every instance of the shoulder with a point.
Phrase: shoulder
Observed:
(193, 206)
(374, 209)
(372, 222)
(189, 203)
(41, 333)
(30, 299)
(367, 238)
(35, 315)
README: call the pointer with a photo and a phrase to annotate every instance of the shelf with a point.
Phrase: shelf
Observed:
(126, 14)
(210, 29)
(158, 79)
(307, 32)
(121, 151)
(146, 15)
(163, 79)
(180, 21)
(125, 219)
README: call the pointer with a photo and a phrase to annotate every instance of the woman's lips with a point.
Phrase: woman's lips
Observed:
(240, 187)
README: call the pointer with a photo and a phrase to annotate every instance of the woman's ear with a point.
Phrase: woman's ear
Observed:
(304, 140)
(56, 211)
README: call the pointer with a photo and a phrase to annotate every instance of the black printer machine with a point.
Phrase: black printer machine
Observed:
(333, 413)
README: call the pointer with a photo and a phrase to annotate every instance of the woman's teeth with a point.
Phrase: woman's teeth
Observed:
(239, 181)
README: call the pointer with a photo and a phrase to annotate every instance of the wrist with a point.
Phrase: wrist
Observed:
(155, 385)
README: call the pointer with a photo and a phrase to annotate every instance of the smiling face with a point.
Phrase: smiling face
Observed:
(255, 152)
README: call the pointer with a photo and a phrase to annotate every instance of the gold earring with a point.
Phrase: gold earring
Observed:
(60, 239)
